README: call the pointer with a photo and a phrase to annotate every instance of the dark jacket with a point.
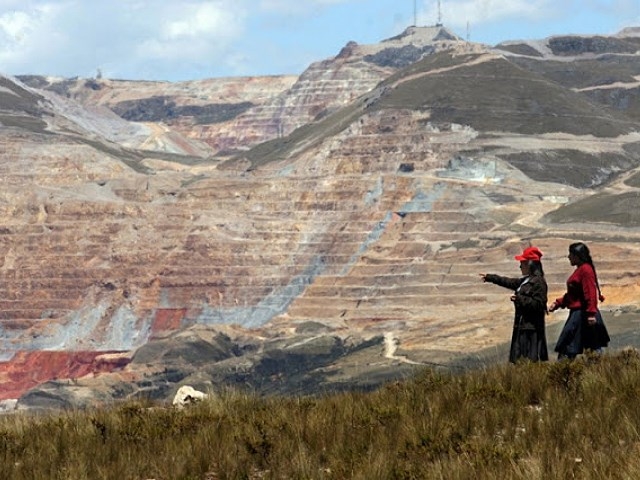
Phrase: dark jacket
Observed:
(530, 302)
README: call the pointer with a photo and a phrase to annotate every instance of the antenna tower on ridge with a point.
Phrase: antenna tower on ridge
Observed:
(415, 13)
(439, 24)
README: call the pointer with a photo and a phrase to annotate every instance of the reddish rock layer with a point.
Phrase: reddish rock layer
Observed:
(168, 319)
(29, 369)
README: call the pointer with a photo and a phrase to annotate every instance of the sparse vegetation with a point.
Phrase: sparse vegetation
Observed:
(556, 420)
(164, 108)
(31, 124)
(576, 45)
(504, 97)
(620, 209)
(571, 167)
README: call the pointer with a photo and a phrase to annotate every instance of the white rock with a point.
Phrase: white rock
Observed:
(187, 395)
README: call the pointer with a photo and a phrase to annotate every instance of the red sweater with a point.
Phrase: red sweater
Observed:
(582, 290)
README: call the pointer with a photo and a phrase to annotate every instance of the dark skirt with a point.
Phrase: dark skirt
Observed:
(528, 344)
(577, 335)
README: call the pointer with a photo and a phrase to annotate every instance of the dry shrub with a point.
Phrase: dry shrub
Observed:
(578, 419)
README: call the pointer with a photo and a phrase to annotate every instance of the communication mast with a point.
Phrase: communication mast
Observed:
(415, 13)
(439, 24)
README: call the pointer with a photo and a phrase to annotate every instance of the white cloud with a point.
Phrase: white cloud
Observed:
(297, 6)
(192, 32)
(210, 20)
(15, 26)
(75, 37)
(21, 33)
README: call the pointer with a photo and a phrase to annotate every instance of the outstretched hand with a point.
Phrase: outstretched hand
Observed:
(553, 307)
(483, 276)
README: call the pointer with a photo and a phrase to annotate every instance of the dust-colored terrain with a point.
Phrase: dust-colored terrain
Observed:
(343, 251)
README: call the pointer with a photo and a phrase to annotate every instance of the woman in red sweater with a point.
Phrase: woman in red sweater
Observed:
(584, 328)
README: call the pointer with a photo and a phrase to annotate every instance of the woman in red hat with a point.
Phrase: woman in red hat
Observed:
(584, 328)
(530, 300)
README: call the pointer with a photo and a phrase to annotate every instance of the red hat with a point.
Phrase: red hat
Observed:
(529, 253)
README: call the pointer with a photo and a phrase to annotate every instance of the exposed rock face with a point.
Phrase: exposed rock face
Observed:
(325, 87)
(341, 255)
(231, 114)
(29, 369)
(183, 106)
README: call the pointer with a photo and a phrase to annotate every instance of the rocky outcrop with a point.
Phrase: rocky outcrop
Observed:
(236, 113)
(325, 87)
(306, 359)
(187, 395)
(182, 106)
(28, 369)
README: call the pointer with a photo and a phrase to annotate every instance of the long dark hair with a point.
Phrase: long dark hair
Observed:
(535, 268)
(581, 251)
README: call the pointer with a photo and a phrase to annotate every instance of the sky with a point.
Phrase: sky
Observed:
(178, 40)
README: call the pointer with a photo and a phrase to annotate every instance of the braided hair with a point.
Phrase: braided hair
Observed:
(581, 251)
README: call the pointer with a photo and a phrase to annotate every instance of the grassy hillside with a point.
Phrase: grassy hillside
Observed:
(490, 94)
(620, 209)
(556, 420)
(497, 95)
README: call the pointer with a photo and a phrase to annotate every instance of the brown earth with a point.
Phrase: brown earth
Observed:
(339, 256)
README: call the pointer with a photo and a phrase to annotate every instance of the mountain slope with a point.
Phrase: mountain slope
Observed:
(340, 255)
